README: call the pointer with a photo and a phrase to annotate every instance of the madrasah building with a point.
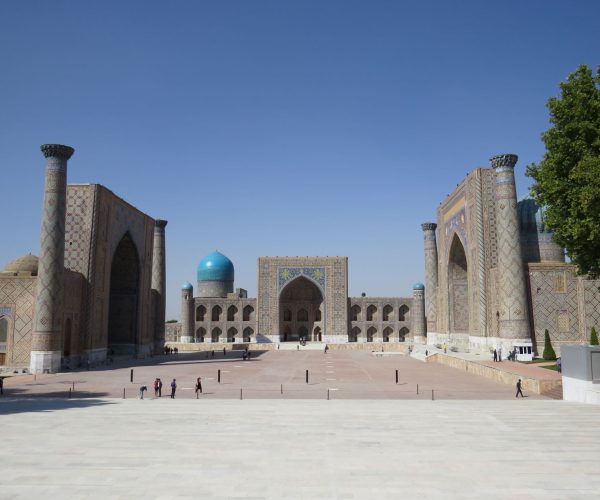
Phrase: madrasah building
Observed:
(493, 277)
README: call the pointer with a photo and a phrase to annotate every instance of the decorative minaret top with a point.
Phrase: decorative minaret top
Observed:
(57, 151)
(508, 160)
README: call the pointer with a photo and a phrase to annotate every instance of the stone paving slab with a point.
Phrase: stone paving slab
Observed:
(345, 374)
(163, 448)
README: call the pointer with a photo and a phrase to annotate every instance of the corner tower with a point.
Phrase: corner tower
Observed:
(431, 274)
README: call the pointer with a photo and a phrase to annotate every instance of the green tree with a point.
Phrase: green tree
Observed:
(594, 337)
(567, 180)
(549, 354)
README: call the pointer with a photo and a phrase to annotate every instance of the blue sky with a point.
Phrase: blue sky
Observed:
(279, 127)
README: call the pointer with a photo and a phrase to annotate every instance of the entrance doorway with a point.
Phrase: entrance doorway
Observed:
(301, 311)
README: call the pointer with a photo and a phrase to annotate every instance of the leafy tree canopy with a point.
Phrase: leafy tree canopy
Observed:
(567, 180)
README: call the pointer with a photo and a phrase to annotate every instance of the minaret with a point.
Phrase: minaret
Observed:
(159, 284)
(431, 275)
(48, 317)
(417, 314)
(512, 297)
(187, 313)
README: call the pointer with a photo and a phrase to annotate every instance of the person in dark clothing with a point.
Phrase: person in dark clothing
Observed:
(212, 354)
(156, 388)
(198, 386)
(1, 386)
(159, 388)
(173, 388)
(519, 391)
(495, 355)
(224, 351)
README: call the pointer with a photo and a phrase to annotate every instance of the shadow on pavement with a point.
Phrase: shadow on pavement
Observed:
(47, 402)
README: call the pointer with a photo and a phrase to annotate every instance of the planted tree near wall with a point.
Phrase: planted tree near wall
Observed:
(594, 337)
(549, 354)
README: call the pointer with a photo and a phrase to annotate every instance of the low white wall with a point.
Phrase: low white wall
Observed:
(580, 391)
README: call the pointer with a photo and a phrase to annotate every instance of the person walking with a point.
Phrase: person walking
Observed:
(142, 390)
(198, 387)
(156, 387)
(519, 391)
(173, 388)
(495, 356)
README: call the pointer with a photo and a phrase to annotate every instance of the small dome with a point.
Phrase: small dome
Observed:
(418, 286)
(532, 218)
(24, 264)
(215, 267)
(187, 286)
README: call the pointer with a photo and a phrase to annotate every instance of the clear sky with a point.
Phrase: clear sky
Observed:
(279, 127)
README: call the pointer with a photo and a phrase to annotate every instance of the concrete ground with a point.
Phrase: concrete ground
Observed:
(343, 374)
(309, 449)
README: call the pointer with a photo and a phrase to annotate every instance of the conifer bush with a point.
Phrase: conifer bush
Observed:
(549, 354)
(593, 337)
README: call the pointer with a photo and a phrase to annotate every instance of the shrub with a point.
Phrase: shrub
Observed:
(593, 336)
(549, 354)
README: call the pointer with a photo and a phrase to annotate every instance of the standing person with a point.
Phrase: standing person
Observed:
(224, 351)
(142, 390)
(1, 386)
(519, 391)
(159, 388)
(558, 367)
(495, 356)
(499, 354)
(173, 388)
(212, 353)
(156, 388)
(326, 349)
(198, 386)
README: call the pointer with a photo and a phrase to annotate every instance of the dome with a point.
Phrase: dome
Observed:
(215, 267)
(418, 286)
(187, 286)
(531, 216)
(24, 264)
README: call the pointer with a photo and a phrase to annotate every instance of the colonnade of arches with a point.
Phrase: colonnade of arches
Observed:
(218, 335)
(372, 334)
(371, 313)
(216, 313)
(224, 314)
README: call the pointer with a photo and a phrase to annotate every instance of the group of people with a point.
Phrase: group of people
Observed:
(171, 350)
(512, 356)
(158, 388)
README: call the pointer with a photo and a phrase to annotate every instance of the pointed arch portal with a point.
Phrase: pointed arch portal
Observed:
(302, 298)
(458, 288)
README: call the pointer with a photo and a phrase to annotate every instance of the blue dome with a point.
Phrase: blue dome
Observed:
(215, 267)
(187, 286)
(532, 218)
(418, 286)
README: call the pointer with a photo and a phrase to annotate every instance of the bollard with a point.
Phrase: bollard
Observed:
(69, 392)
(241, 397)
(219, 376)
(327, 394)
(307, 376)
(432, 398)
(281, 388)
(396, 377)
(196, 394)
(34, 377)
(131, 376)
(73, 386)
(123, 392)
(417, 389)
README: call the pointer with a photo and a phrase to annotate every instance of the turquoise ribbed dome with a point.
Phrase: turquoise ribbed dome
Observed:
(532, 218)
(418, 286)
(215, 267)
(187, 286)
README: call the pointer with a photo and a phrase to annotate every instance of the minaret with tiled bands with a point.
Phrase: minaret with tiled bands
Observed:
(513, 317)
(431, 274)
(46, 350)
(159, 287)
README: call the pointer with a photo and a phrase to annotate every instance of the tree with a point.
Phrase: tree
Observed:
(549, 354)
(593, 336)
(567, 180)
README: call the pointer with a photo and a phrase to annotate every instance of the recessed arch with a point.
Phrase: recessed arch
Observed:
(215, 335)
(231, 334)
(403, 311)
(216, 313)
(299, 302)
(402, 334)
(372, 313)
(232, 313)
(387, 334)
(248, 313)
(200, 334)
(354, 334)
(200, 313)
(248, 333)
(388, 313)
(371, 334)
(458, 287)
(355, 312)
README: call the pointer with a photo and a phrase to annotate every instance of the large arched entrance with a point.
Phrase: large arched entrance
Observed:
(300, 311)
(124, 297)
(458, 288)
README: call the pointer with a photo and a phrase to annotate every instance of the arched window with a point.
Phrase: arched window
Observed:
(387, 334)
(216, 335)
(231, 333)
(402, 312)
(231, 313)
(3, 330)
(248, 332)
(200, 313)
(354, 313)
(287, 315)
(200, 334)
(388, 313)
(371, 313)
(354, 334)
(318, 315)
(403, 334)
(248, 313)
(371, 333)
(302, 332)
(216, 313)
(302, 315)
(317, 335)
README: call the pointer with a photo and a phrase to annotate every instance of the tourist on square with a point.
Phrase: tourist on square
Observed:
(499, 354)
(156, 386)
(173, 388)
(160, 388)
(1, 386)
(142, 390)
(224, 351)
(495, 355)
(558, 365)
(326, 349)
(198, 386)
(519, 391)
(212, 354)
